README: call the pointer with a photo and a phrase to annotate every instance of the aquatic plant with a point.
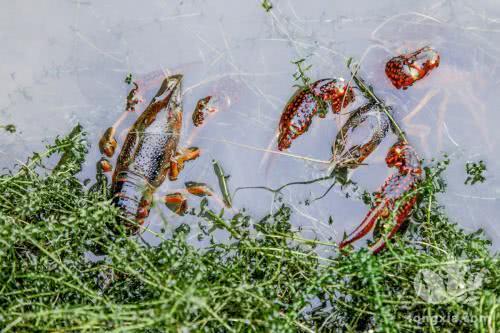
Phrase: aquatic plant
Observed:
(305, 82)
(475, 172)
(66, 265)
(267, 5)
(10, 128)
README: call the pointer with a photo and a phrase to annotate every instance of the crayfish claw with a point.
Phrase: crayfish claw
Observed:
(308, 102)
(365, 227)
(394, 201)
(404, 70)
(400, 218)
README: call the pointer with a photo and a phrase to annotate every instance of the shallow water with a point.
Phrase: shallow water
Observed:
(65, 63)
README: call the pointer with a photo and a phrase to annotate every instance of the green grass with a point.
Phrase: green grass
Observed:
(267, 279)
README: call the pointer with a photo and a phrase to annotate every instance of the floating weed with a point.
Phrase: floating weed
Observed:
(267, 5)
(305, 82)
(66, 265)
(11, 128)
(222, 178)
(128, 78)
(300, 75)
(475, 172)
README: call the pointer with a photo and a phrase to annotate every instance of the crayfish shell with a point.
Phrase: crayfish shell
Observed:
(352, 146)
(404, 70)
(306, 103)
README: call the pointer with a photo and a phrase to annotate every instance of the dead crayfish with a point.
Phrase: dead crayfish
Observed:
(149, 154)
(395, 199)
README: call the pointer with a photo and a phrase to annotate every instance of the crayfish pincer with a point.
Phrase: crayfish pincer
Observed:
(394, 201)
(306, 103)
(406, 69)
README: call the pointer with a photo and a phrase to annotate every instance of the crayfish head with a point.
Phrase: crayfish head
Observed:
(403, 157)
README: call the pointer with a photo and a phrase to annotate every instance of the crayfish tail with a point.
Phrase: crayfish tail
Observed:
(131, 194)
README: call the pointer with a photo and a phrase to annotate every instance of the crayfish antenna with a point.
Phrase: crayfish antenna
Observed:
(266, 161)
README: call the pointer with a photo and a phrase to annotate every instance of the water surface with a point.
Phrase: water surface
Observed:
(64, 62)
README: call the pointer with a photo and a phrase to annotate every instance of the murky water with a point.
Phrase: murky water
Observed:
(65, 63)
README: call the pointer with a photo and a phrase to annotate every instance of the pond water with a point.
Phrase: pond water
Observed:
(66, 64)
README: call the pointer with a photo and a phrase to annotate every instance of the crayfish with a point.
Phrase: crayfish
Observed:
(150, 154)
(396, 198)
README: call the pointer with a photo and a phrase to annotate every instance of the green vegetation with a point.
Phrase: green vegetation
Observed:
(128, 78)
(11, 128)
(475, 172)
(268, 278)
(300, 74)
(267, 5)
(222, 177)
(305, 83)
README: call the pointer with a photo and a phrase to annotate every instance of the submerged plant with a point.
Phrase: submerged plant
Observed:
(67, 265)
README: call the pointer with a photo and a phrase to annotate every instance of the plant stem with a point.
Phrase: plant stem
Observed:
(368, 92)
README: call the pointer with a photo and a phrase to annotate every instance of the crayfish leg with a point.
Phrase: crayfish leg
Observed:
(174, 170)
(367, 225)
(198, 189)
(177, 163)
(107, 143)
(176, 202)
(104, 165)
(400, 219)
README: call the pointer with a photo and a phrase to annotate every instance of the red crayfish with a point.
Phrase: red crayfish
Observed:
(395, 199)
(150, 154)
